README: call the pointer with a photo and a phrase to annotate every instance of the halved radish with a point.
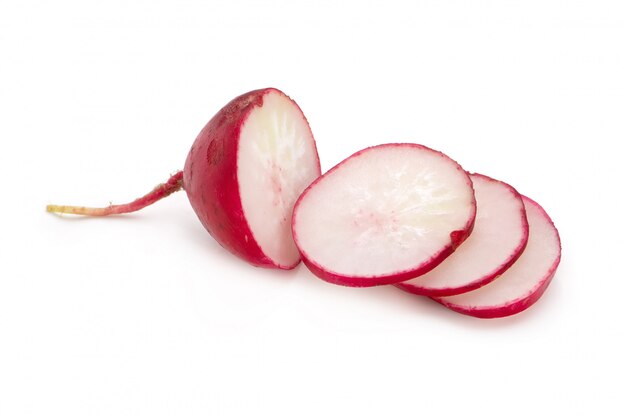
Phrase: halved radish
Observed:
(245, 171)
(522, 284)
(499, 236)
(384, 215)
(243, 175)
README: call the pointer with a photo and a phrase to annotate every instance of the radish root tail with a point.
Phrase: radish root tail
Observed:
(173, 184)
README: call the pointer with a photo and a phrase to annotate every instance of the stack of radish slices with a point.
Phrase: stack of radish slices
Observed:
(399, 214)
(407, 215)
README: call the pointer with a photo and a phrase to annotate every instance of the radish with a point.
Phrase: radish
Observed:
(243, 175)
(499, 236)
(384, 215)
(522, 284)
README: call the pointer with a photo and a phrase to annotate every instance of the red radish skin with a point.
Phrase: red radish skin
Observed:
(468, 304)
(211, 180)
(215, 153)
(456, 237)
(213, 177)
(455, 268)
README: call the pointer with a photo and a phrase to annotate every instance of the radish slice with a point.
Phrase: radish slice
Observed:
(499, 237)
(522, 284)
(384, 215)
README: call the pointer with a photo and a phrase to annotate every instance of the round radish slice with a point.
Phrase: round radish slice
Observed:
(384, 215)
(522, 284)
(499, 237)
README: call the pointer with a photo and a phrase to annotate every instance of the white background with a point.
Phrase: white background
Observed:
(145, 315)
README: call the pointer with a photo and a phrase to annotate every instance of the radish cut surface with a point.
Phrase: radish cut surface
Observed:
(384, 215)
(522, 284)
(276, 161)
(499, 236)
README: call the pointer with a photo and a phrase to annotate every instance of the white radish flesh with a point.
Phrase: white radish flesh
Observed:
(499, 236)
(276, 161)
(384, 215)
(522, 284)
